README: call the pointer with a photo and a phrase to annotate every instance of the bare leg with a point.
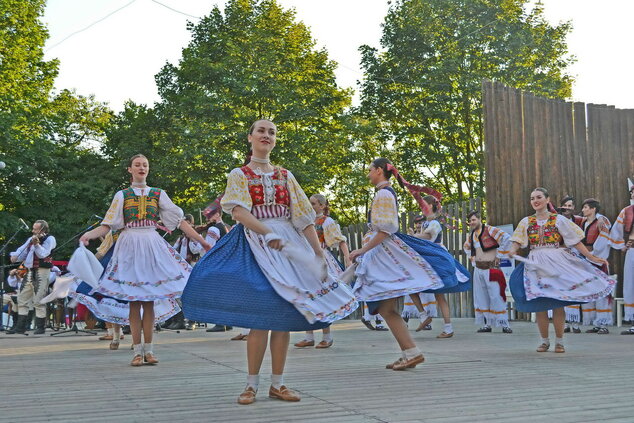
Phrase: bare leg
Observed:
(417, 302)
(148, 321)
(443, 305)
(256, 347)
(387, 309)
(135, 322)
(279, 348)
(542, 323)
(559, 321)
(326, 331)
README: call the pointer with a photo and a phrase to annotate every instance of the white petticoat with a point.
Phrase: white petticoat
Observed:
(325, 301)
(565, 277)
(393, 269)
(144, 267)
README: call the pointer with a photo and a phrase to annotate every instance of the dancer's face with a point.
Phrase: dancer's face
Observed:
(263, 138)
(317, 206)
(375, 175)
(474, 222)
(539, 201)
(139, 169)
(632, 194)
(587, 211)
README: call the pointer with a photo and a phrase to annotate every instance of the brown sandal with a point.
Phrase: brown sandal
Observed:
(543, 347)
(137, 360)
(559, 348)
(114, 345)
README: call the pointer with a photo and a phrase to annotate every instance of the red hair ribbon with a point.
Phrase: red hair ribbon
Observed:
(551, 208)
(416, 190)
(213, 207)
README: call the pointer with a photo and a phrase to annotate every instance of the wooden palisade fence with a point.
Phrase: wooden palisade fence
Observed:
(583, 150)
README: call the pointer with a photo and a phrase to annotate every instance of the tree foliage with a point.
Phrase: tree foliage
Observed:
(424, 85)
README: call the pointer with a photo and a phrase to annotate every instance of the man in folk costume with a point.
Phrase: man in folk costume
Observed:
(622, 238)
(573, 312)
(485, 245)
(597, 239)
(35, 254)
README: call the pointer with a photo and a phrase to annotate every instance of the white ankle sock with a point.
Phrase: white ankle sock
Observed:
(448, 328)
(277, 381)
(147, 348)
(138, 349)
(310, 337)
(559, 341)
(327, 337)
(546, 341)
(411, 353)
(109, 331)
(253, 381)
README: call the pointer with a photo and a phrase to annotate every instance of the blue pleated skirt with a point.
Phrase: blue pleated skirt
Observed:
(440, 260)
(516, 284)
(227, 287)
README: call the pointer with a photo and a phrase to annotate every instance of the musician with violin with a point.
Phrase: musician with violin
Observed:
(35, 268)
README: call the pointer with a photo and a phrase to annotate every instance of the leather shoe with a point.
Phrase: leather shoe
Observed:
(114, 345)
(106, 338)
(367, 324)
(391, 365)
(445, 335)
(424, 323)
(324, 344)
(137, 360)
(408, 364)
(284, 394)
(150, 358)
(247, 396)
(543, 347)
(239, 337)
(305, 343)
(484, 330)
(219, 328)
(381, 328)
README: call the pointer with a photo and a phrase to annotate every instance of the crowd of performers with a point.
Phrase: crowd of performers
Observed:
(274, 272)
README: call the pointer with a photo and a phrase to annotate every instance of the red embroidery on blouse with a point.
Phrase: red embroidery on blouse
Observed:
(256, 187)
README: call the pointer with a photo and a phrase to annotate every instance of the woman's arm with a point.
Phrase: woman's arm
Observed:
(343, 247)
(95, 233)
(242, 215)
(193, 235)
(376, 240)
(313, 240)
(587, 254)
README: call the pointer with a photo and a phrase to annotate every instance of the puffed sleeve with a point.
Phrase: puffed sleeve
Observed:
(302, 213)
(171, 215)
(237, 192)
(384, 214)
(114, 215)
(521, 233)
(601, 247)
(617, 236)
(467, 246)
(433, 229)
(503, 239)
(213, 235)
(570, 231)
(332, 233)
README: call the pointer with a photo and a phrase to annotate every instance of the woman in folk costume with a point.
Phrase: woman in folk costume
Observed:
(144, 268)
(432, 231)
(622, 238)
(596, 229)
(553, 276)
(573, 312)
(268, 273)
(392, 264)
(330, 236)
(427, 300)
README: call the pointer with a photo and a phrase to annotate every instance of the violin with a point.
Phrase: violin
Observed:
(21, 271)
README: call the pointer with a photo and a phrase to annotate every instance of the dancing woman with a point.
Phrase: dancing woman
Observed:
(250, 279)
(144, 268)
(330, 236)
(554, 276)
(392, 264)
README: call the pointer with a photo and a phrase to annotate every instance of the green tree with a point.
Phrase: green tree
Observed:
(424, 85)
(253, 60)
(49, 141)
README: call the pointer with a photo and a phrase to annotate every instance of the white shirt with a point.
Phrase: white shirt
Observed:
(42, 250)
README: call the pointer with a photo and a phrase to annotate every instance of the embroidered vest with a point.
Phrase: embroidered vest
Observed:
(319, 228)
(141, 207)
(256, 186)
(591, 233)
(550, 235)
(487, 242)
(44, 263)
(628, 221)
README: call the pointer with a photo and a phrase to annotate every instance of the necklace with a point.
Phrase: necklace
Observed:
(258, 160)
(138, 185)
